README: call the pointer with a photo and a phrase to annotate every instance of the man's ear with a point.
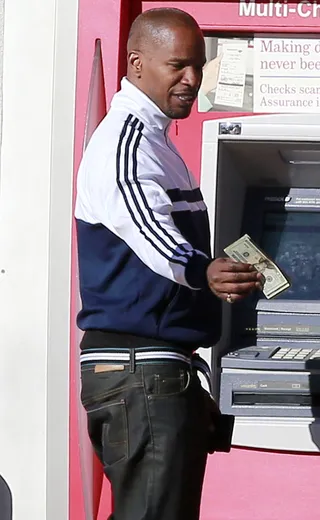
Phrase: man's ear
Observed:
(135, 63)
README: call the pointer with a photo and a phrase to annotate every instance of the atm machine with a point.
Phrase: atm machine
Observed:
(266, 173)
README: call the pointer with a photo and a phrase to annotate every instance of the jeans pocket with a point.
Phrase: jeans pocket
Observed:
(97, 388)
(168, 382)
(115, 433)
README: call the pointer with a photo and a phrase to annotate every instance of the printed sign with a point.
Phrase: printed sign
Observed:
(275, 9)
(286, 74)
(232, 74)
(228, 74)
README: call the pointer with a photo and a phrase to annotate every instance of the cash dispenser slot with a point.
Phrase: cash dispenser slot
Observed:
(263, 392)
(283, 399)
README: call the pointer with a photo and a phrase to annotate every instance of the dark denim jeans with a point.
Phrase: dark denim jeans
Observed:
(149, 429)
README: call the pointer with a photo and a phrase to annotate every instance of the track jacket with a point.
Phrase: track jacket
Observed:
(143, 231)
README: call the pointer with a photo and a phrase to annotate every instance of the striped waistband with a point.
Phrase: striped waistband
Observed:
(145, 355)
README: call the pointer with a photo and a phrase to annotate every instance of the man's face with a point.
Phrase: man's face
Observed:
(171, 71)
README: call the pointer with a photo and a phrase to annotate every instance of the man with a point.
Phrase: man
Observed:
(151, 293)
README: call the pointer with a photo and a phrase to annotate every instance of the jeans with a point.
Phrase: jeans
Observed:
(149, 430)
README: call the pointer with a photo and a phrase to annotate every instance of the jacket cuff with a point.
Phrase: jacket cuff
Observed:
(196, 271)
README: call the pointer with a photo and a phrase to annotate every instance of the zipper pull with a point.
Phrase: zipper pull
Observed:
(177, 128)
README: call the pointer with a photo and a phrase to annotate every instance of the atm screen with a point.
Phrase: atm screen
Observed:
(292, 240)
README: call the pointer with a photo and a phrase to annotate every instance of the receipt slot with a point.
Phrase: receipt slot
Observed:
(260, 176)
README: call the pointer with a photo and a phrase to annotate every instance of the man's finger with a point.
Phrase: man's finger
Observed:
(231, 297)
(235, 278)
(231, 288)
(228, 265)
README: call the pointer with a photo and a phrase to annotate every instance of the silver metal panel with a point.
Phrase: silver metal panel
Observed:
(231, 163)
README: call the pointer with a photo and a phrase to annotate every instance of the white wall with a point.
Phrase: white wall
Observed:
(1, 61)
(35, 244)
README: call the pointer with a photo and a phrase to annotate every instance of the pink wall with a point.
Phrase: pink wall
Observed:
(261, 485)
(245, 484)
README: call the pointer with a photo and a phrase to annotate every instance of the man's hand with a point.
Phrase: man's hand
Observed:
(210, 75)
(232, 281)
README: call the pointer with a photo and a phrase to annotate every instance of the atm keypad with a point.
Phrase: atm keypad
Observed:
(298, 354)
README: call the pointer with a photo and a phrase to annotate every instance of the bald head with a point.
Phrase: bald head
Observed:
(166, 54)
(153, 27)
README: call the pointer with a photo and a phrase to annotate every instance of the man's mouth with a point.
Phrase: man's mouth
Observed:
(186, 98)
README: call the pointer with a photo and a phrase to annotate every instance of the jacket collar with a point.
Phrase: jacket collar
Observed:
(137, 101)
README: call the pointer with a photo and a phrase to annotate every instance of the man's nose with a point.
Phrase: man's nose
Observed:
(192, 77)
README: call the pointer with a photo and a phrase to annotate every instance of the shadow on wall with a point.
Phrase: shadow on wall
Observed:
(5, 500)
(314, 397)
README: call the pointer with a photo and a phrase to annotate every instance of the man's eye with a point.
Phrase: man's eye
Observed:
(177, 66)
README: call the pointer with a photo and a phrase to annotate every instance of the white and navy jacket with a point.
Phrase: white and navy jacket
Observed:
(143, 231)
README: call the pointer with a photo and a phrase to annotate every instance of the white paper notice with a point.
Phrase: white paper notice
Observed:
(286, 74)
(232, 74)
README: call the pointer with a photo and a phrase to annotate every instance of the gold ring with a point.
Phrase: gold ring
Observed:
(229, 298)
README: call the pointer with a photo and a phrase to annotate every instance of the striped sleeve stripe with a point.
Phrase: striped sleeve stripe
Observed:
(125, 142)
(176, 245)
(177, 195)
(136, 191)
(132, 154)
(188, 206)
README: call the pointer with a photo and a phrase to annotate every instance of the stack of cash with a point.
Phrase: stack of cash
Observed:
(246, 251)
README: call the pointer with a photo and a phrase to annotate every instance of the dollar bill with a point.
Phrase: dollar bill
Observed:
(246, 251)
